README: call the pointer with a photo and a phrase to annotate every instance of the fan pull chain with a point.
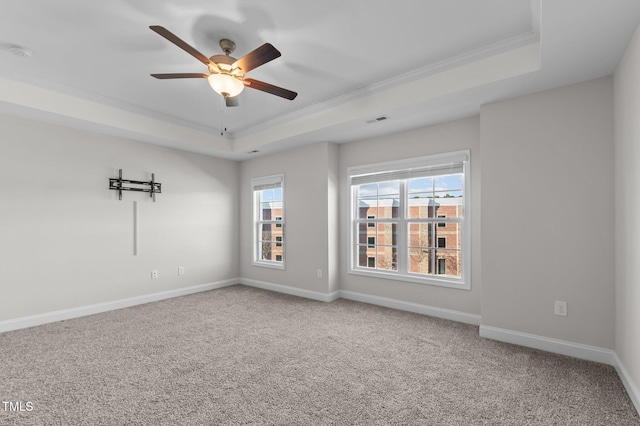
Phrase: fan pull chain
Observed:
(222, 115)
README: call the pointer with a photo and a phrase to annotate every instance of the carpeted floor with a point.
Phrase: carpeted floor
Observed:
(240, 355)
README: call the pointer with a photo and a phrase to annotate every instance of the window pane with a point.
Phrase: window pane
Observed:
(420, 185)
(364, 232)
(278, 251)
(266, 251)
(266, 232)
(387, 234)
(450, 207)
(420, 260)
(277, 194)
(367, 207)
(420, 205)
(452, 260)
(391, 187)
(388, 206)
(379, 200)
(452, 235)
(266, 195)
(449, 182)
(271, 251)
(364, 254)
(387, 258)
(368, 190)
(420, 235)
(266, 212)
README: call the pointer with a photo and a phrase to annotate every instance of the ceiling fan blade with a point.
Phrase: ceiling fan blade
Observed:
(270, 88)
(254, 59)
(180, 43)
(180, 75)
(231, 101)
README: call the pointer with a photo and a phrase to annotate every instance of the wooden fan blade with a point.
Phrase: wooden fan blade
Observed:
(270, 88)
(254, 59)
(231, 101)
(180, 75)
(180, 43)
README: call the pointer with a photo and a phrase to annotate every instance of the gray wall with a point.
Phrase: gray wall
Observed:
(446, 137)
(627, 208)
(306, 215)
(548, 213)
(66, 241)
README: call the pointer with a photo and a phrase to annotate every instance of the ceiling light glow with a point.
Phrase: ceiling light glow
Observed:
(225, 85)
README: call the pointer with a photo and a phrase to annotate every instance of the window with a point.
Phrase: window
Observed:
(268, 221)
(409, 220)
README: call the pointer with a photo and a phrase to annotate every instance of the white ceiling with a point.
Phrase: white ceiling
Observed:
(418, 62)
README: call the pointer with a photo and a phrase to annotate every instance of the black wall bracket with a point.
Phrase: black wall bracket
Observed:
(119, 184)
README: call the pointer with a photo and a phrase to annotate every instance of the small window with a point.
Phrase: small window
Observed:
(441, 224)
(442, 242)
(442, 267)
(268, 220)
(371, 242)
(371, 262)
(371, 225)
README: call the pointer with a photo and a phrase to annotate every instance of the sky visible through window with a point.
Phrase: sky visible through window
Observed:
(272, 195)
(436, 186)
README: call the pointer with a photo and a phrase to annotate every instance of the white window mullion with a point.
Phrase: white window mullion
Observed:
(402, 237)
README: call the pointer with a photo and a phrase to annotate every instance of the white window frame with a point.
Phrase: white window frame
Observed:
(404, 170)
(257, 185)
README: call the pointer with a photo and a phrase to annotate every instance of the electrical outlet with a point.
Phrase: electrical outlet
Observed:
(561, 308)
(180, 270)
(154, 274)
(319, 273)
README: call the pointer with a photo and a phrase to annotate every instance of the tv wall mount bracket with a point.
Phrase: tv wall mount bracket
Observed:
(119, 184)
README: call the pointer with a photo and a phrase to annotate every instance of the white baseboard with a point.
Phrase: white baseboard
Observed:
(562, 347)
(360, 297)
(412, 307)
(294, 291)
(49, 317)
(632, 388)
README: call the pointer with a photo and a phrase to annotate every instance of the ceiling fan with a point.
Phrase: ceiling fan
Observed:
(226, 73)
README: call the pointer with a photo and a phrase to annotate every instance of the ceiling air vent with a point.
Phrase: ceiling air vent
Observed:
(377, 119)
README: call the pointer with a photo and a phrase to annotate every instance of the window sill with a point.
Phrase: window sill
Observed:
(439, 282)
(272, 265)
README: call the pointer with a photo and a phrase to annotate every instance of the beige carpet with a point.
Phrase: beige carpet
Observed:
(246, 356)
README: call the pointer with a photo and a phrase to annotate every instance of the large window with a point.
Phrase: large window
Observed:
(268, 221)
(409, 220)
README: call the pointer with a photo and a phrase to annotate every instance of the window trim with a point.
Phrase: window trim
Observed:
(405, 168)
(256, 184)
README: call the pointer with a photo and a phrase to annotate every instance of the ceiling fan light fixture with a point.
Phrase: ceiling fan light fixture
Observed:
(225, 85)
